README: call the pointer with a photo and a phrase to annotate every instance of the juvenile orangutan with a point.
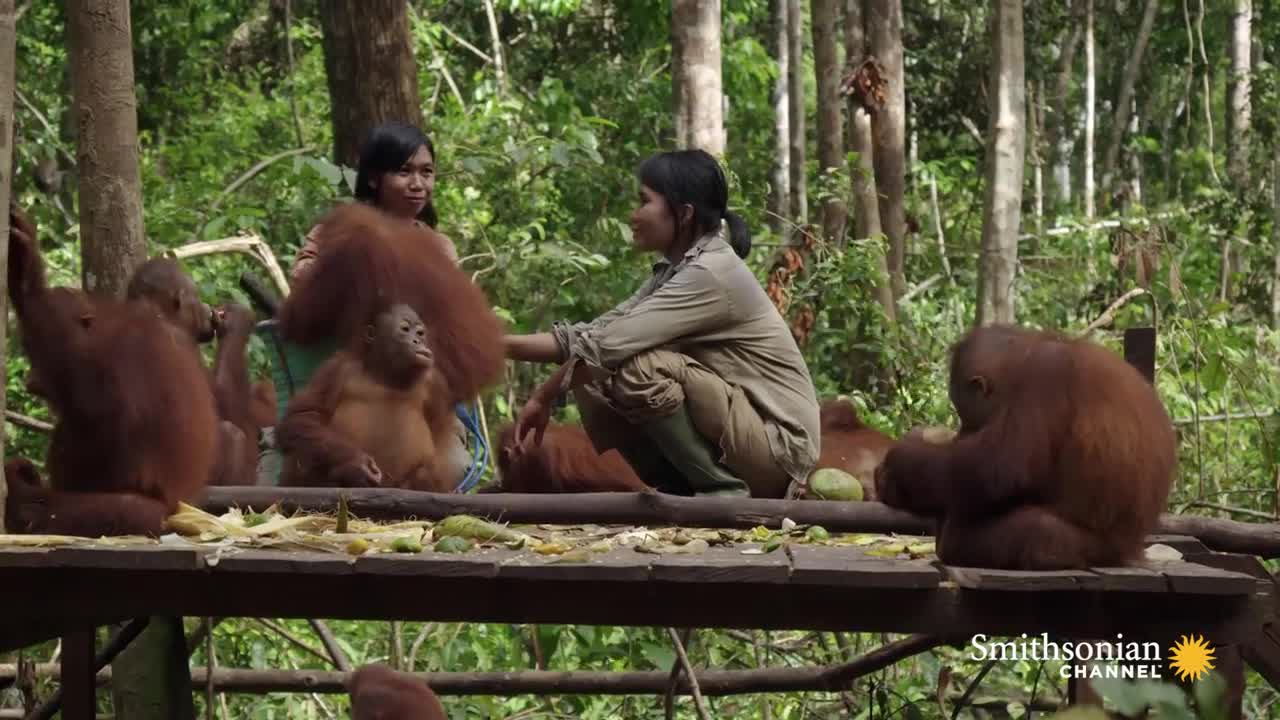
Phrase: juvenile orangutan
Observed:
(131, 437)
(380, 693)
(375, 414)
(162, 283)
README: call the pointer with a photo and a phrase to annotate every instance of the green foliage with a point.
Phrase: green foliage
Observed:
(535, 188)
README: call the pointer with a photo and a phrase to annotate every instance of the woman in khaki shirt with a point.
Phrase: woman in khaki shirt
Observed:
(397, 174)
(695, 379)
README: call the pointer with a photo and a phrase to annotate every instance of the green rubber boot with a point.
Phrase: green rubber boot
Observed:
(694, 457)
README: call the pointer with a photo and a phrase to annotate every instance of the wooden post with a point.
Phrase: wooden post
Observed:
(1140, 350)
(79, 697)
(8, 38)
(151, 679)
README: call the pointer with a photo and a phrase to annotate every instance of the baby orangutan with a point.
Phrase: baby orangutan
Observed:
(375, 414)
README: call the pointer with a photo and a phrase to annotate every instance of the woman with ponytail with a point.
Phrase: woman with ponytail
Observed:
(696, 379)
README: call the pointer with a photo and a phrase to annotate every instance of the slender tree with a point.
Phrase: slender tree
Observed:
(1089, 99)
(826, 68)
(1058, 133)
(8, 40)
(884, 35)
(695, 27)
(1275, 240)
(780, 177)
(100, 43)
(799, 178)
(1124, 99)
(1238, 101)
(1006, 138)
(866, 211)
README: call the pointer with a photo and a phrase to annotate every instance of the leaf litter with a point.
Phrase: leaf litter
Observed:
(343, 533)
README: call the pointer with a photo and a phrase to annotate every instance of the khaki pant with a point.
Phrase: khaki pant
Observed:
(655, 384)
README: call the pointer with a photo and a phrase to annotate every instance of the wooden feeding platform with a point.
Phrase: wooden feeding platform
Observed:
(796, 587)
(731, 583)
(737, 564)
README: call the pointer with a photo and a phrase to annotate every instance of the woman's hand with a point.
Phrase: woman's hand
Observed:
(533, 417)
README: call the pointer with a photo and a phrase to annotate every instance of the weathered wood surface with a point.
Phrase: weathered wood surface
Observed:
(798, 586)
(660, 509)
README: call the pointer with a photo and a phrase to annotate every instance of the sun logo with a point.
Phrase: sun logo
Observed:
(1191, 657)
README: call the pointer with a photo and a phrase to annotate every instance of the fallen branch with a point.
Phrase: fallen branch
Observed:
(1109, 315)
(477, 51)
(1265, 517)
(1226, 417)
(294, 640)
(712, 683)
(928, 283)
(1233, 536)
(323, 632)
(641, 508)
(251, 245)
(248, 175)
(27, 421)
(682, 665)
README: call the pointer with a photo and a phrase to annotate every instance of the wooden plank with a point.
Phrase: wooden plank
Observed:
(1016, 580)
(1263, 655)
(1140, 350)
(847, 566)
(1182, 543)
(1185, 577)
(285, 562)
(476, 564)
(723, 565)
(79, 684)
(19, 557)
(1129, 579)
(616, 565)
(144, 557)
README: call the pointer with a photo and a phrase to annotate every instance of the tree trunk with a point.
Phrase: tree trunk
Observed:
(1124, 100)
(862, 175)
(884, 34)
(1058, 135)
(1238, 103)
(1005, 155)
(695, 26)
(780, 185)
(1034, 135)
(112, 243)
(1090, 94)
(368, 59)
(795, 69)
(8, 38)
(1135, 159)
(826, 68)
(1275, 241)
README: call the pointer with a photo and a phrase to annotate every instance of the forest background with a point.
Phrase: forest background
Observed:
(1070, 164)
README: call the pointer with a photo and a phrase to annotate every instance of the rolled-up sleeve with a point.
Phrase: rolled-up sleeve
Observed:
(690, 302)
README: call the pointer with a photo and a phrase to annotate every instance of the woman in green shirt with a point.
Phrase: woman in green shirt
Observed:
(695, 379)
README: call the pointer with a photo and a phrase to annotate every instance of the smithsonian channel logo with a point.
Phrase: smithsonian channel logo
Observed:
(1189, 658)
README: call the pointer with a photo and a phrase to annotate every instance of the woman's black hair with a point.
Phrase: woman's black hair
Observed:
(693, 177)
(386, 149)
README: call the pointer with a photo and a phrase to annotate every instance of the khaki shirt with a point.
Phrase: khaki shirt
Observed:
(710, 307)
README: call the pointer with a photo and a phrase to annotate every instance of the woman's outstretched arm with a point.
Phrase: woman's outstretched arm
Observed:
(537, 347)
